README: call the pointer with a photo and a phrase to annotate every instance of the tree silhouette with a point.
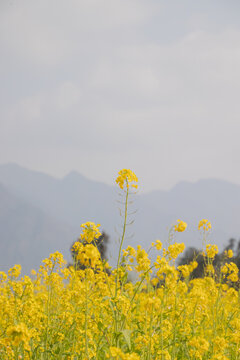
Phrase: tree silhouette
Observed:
(192, 254)
(100, 242)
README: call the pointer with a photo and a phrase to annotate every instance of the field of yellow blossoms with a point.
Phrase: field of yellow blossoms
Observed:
(60, 312)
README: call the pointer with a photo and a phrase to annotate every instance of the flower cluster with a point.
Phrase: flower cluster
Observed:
(117, 354)
(90, 232)
(230, 271)
(229, 253)
(88, 254)
(175, 250)
(19, 334)
(128, 178)
(211, 250)
(157, 244)
(205, 225)
(186, 270)
(181, 226)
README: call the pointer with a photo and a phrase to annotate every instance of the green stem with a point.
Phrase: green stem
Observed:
(48, 308)
(135, 293)
(123, 234)
(86, 317)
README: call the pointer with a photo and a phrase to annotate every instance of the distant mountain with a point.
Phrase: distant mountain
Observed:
(75, 199)
(27, 234)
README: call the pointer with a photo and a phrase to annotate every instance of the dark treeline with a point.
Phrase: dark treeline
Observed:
(219, 260)
(191, 254)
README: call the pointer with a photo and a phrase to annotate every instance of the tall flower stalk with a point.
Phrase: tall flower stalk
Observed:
(126, 178)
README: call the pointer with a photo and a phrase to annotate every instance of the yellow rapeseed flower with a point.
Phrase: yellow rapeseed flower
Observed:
(90, 231)
(127, 177)
(211, 250)
(205, 224)
(176, 249)
(15, 271)
(181, 226)
(19, 333)
(230, 271)
(157, 245)
(228, 253)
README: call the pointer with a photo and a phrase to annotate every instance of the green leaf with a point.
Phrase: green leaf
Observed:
(127, 336)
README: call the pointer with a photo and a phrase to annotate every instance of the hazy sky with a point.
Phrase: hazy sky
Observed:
(100, 85)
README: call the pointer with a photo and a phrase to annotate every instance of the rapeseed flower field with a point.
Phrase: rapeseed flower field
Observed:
(62, 312)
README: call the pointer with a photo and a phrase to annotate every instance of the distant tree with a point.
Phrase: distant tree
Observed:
(192, 254)
(101, 243)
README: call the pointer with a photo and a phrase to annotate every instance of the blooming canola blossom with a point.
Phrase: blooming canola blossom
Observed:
(86, 313)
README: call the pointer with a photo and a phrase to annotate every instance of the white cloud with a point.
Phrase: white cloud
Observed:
(49, 33)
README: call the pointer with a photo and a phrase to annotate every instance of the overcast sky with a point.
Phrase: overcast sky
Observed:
(100, 85)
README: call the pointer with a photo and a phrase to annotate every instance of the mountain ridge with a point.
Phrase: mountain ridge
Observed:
(28, 235)
(75, 199)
